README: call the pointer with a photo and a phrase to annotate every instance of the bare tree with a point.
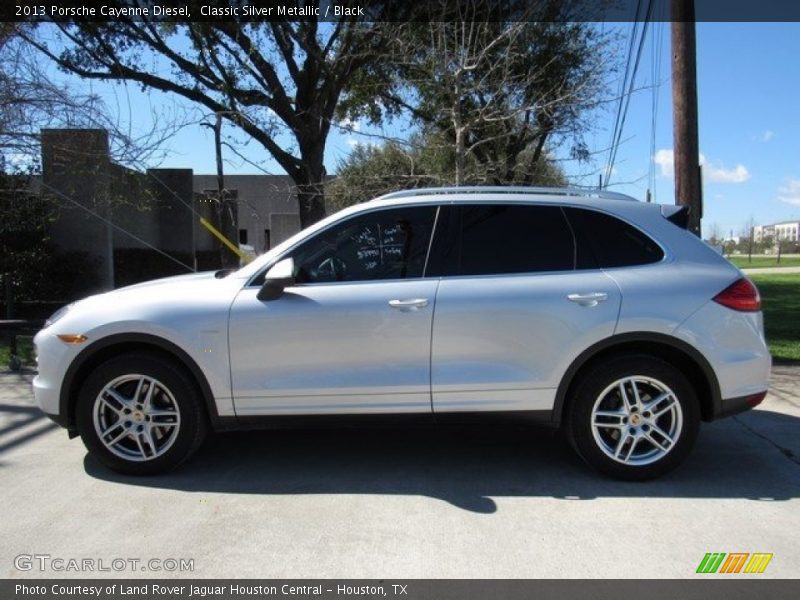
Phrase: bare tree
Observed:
(714, 235)
(30, 101)
(279, 82)
(748, 233)
(501, 91)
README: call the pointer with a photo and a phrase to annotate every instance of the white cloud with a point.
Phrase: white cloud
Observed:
(350, 125)
(790, 193)
(719, 174)
(767, 135)
(665, 159)
(348, 128)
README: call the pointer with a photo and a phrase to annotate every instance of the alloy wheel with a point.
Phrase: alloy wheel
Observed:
(636, 420)
(136, 417)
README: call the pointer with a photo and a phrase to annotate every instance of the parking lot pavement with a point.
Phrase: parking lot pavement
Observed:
(404, 503)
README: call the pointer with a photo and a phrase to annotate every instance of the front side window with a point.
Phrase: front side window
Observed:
(383, 244)
(496, 239)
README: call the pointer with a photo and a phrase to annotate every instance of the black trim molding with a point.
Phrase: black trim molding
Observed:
(638, 337)
(66, 400)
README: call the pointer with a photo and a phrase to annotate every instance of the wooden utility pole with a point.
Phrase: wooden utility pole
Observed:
(684, 107)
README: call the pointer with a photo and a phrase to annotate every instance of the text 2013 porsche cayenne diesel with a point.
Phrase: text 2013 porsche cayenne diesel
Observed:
(591, 311)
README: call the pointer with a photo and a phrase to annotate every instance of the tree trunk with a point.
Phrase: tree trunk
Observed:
(311, 201)
(460, 158)
(309, 179)
(460, 131)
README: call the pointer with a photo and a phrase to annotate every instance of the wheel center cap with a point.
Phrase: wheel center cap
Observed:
(138, 416)
(636, 419)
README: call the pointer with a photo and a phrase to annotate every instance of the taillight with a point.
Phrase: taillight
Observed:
(742, 295)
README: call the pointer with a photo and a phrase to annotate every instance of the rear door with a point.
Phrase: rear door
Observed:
(512, 310)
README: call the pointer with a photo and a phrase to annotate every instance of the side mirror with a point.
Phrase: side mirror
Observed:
(279, 277)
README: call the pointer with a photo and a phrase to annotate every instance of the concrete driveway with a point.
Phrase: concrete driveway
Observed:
(772, 271)
(406, 503)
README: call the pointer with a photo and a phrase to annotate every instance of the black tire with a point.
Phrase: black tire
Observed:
(595, 444)
(180, 390)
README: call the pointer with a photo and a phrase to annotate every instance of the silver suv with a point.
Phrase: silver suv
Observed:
(587, 310)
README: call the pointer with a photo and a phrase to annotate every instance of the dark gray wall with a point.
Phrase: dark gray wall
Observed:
(173, 197)
(75, 174)
(160, 207)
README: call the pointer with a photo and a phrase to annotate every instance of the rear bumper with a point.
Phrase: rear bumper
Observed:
(734, 406)
(733, 344)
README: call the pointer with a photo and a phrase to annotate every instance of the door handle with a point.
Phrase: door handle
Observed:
(411, 304)
(590, 299)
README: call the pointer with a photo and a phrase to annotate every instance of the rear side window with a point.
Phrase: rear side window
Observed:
(613, 242)
(493, 239)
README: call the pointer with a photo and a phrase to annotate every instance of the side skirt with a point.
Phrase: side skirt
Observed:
(382, 420)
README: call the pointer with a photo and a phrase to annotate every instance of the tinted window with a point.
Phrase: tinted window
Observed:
(388, 244)
(509, 238)
(613, 242)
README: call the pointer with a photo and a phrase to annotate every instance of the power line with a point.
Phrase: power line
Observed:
(656, 63)
(621, 93)
(631, 83)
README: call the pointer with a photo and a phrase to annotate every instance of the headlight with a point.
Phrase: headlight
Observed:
(57, 315)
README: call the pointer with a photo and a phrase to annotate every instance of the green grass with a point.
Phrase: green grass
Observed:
(780, 297)
(762, 262)
(24, 348)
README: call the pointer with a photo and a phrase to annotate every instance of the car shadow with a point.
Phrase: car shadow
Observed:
(469, 466)
(21, 421)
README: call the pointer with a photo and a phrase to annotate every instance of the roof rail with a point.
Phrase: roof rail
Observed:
(547, 191)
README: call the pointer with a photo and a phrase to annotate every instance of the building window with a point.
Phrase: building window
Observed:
(266, 240)
(243, 236)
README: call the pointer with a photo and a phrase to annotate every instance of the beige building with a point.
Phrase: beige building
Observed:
(787, 231)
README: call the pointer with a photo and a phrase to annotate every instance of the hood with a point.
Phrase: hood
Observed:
(168, 281)
(183, 289)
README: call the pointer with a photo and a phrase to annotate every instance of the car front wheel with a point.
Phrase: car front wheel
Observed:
(140, 414)
(633, 417)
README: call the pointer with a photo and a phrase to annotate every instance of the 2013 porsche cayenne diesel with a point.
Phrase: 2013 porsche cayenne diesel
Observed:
(588, 310)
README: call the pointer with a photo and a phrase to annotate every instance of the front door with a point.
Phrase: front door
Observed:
(354, 334)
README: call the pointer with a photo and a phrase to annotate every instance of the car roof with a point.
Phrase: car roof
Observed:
(504, 193)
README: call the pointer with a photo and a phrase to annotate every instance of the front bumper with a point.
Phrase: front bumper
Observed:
(53, 357)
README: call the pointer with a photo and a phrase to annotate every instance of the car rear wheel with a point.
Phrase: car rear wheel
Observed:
(140, 414)
(633, 417)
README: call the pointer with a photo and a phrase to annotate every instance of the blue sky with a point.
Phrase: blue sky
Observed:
(748, 91)
(749, 97)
